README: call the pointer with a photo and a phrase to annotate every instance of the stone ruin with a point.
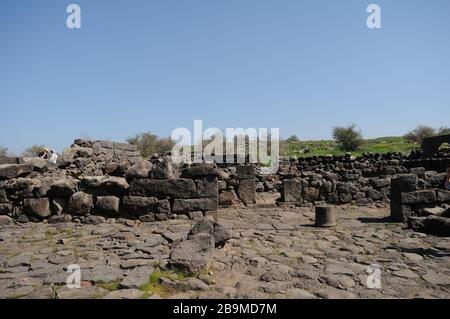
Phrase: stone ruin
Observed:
(94, 180)
(421, 203)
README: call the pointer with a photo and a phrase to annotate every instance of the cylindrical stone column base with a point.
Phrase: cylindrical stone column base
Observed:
(325, 216)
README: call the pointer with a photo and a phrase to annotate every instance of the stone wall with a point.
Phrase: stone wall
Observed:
(340, 180)
(360, 180)
(421, 203)
(98, 157)
(104, 180)
(237, 185)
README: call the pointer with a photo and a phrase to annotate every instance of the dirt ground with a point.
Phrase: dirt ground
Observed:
(273, 253)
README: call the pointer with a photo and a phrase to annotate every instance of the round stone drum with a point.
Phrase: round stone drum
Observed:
(325, 216)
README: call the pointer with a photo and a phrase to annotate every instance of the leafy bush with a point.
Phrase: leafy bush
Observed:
(149, 144)
(348, 138)
(419, 133)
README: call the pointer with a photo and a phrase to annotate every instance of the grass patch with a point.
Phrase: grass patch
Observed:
(154, 286)
(328, 147)
(110, 286)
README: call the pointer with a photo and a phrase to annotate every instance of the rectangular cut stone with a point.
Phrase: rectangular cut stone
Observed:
(247, 191)
(443, 195)
(107, 205)
(400, 184)
(207, 187)
(404, 183)
(419, 197)
(39, 207)
(292, 190)
(245, 171)
(138, 206)
(9, 171)
(173, 188)
(380, 182)
(193, 205)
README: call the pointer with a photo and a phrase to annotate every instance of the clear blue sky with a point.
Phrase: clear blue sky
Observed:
(154, 65)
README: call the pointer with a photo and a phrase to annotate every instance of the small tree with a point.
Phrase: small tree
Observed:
(419, 133)
(349, 138)
(33, 151)
(3, 151)
(293, 140)
(149, 144)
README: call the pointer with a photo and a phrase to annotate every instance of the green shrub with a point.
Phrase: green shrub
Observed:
(348, 138)
(149, 144)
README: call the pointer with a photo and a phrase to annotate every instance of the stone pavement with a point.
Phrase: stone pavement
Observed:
(273, 253)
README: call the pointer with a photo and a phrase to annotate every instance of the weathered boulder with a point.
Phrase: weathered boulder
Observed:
(436, 210)
(81, 203)
(204, 240)
(163, 169)
(419, 197)
(6, 209)
(434, 180)
(94, 220)
(245, 172)
(443, 195)
(173, 188)
(220, 234)
(311, 194)
(373, 194)
(342, 187)
(139, 170)
(193, 255)
(345, 198)
(291, 191)
(228, 198)
(108, 205)
(437, 225)
(64, 188)
(199, 171)
(247, 191)
(8, 171)
(137, 278)
(417, 223)
(163, 206)
(39, 207)
(207, 187)
(39, 164)
(139, 206)
(196, 204)
(404, 183)
(23, 187)
(401, 184)
(380, 182)
(105, 185)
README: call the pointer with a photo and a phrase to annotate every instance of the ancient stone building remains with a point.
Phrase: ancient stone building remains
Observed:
(421, 202)
(109, 179)
(105, 179)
